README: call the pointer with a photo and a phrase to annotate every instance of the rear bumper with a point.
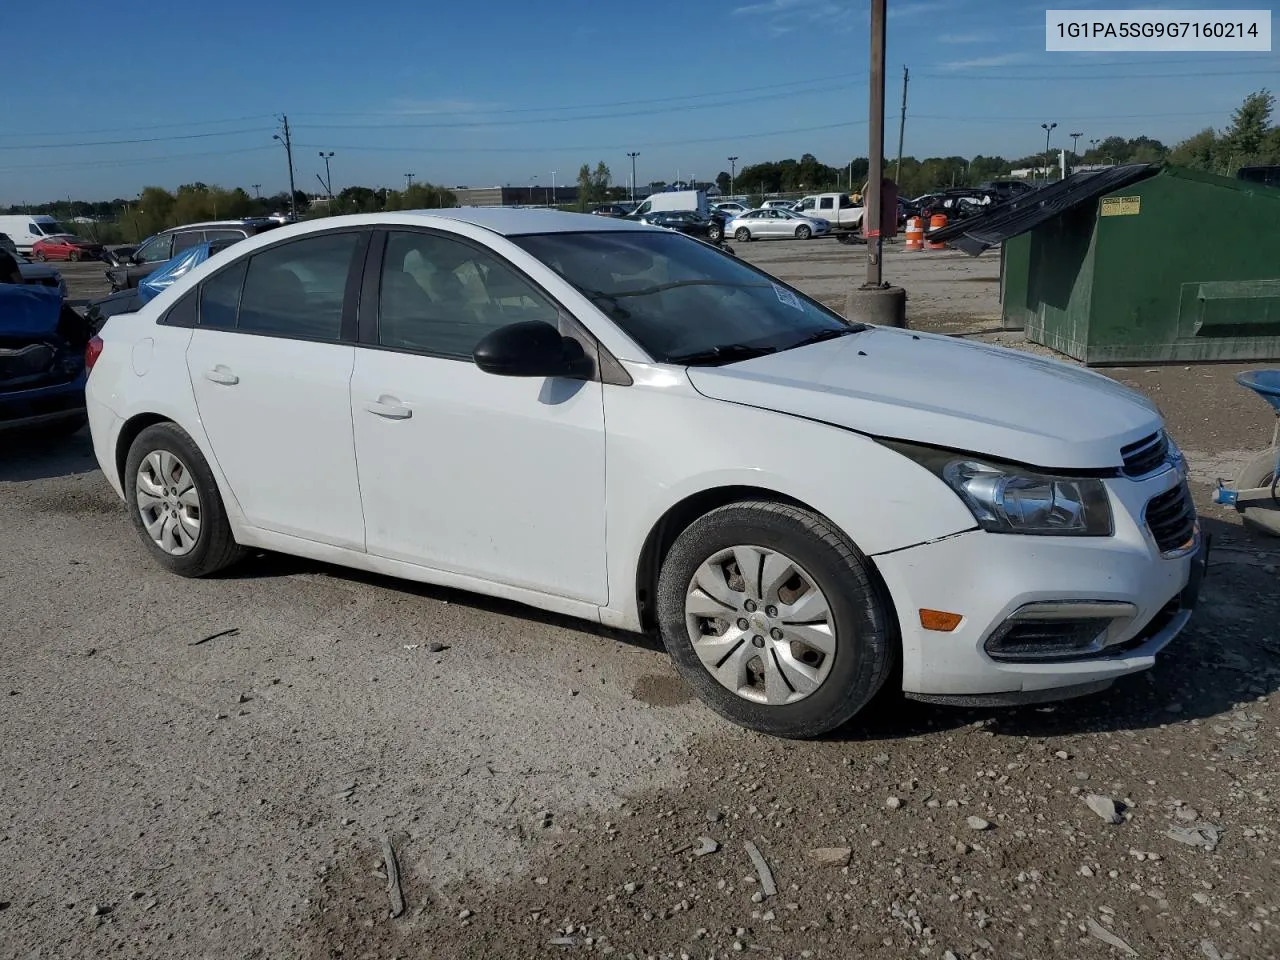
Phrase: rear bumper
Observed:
(104, 428)
(42, 406)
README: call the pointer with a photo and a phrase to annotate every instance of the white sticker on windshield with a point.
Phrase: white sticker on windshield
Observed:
(786, 296)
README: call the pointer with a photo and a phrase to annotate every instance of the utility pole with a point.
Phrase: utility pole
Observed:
(408, 181)
(733, 172)
(553, 188)
(633, 154)
(328, 180)
(875, 173)
(902, 126)
(875, 301)
(257, 190)
(287, 140)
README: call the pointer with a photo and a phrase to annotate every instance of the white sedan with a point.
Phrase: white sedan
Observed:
(624, 424)
(775, 222)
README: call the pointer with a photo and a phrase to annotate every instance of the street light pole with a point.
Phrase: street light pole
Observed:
(733, 172)
(328, 180)
(875, 172)
(553, 188)
(1048, 129)
(288, 151)
(408, 181)
(1075, 139)
(633, 154)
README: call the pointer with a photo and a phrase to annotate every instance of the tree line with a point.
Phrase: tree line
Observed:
(1251, 138)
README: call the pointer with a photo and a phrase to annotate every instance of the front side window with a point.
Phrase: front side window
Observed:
(442, 296)
(156, 250)
(682, 300)
(297, 289)
(49, 229)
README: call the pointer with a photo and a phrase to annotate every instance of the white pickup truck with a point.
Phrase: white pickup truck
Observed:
(836, 208)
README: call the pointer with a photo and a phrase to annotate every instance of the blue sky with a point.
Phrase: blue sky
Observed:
(495, 91)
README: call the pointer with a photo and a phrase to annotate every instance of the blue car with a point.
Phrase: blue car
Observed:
(42, 365)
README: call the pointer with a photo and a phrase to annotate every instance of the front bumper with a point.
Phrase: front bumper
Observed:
(986, 577)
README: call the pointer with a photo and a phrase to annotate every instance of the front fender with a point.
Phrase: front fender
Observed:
(880, 499)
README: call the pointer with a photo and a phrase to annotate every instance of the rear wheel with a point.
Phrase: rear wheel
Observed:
(38, 255)
(771, 615)
(742, 235)
(74, 256)
(176, 507)
(803, 232)
(1261, 472)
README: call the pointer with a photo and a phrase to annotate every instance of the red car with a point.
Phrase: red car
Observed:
(64, 246)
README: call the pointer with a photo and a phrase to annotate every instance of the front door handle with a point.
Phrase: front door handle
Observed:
(222, 375)
(389, 408)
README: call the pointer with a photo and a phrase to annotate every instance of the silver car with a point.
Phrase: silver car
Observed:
(773, 222)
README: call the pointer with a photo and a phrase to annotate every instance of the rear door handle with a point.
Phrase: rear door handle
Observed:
(389, 408)
(222, 375)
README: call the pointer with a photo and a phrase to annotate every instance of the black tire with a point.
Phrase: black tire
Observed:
(866, 638)
(1260, 472)
(38, 256)
(714, 231)
(803, 232)
(742, 235)
(215, 547)
(74, 256)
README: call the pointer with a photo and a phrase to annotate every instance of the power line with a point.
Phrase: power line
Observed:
(111, 143)
(150, 126)
(1077, 75)
(131, 161)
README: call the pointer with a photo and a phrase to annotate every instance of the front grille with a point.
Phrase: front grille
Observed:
(1171, 518)
(1146, 455)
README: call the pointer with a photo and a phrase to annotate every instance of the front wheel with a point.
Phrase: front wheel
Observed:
(39, 255)
(742, 235)
(74, 256)
(715, 232)
(773, 617)
(803, 232)
(175, 504)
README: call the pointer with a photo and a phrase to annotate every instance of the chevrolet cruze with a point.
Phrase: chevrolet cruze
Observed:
(624, 424)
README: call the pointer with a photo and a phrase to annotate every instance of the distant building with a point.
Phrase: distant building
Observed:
(535, 195)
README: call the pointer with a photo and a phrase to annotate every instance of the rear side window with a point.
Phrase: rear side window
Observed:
(296, 290)
(186, 239)
(220, 297)
(182, 313)
(224, 234)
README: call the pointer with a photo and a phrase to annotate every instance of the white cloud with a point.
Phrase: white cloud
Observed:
(769, 7)
(964, 37)
(1000, 60)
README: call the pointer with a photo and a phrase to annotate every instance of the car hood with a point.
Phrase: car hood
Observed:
(29, 313)
(945, 392)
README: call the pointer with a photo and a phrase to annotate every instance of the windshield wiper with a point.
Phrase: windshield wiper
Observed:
(822, 335)
(725, 353)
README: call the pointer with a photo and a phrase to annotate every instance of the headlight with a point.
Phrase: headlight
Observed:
(1006, 498)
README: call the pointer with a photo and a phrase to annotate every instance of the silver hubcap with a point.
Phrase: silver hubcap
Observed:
(760, 625)
(168, 503)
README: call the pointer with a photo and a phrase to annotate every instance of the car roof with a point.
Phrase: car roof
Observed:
(511, 222)
(247, 222)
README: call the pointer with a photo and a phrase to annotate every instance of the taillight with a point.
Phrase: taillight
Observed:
(92, 350)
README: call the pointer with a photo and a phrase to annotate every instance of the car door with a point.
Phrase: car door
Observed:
(498, 478)
(147, 257)
(769, 223)
(270, 363)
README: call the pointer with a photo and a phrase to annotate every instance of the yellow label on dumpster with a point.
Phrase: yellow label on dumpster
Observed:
(1121, 206)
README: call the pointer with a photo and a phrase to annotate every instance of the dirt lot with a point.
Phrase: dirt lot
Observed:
(548, 786)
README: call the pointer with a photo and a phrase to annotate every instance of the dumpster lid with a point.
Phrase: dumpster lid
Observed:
(1017, 216)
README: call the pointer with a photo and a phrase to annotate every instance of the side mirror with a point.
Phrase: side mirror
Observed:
(531, 348)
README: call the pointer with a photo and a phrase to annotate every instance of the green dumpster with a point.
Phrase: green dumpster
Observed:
(1171, 265)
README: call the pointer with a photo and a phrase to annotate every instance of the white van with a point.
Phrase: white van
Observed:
(695, 200)
(25, 229)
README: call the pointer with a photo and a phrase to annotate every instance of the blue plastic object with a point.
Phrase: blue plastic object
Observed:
(1265, 383)
(160, 279)
(28, 311)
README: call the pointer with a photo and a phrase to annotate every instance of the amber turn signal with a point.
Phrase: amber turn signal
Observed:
(939, 620)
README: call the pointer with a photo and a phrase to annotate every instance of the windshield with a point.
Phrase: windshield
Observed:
(680, 298)
(50, 229)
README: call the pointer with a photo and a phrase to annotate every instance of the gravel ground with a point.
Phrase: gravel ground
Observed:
(549, 787)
